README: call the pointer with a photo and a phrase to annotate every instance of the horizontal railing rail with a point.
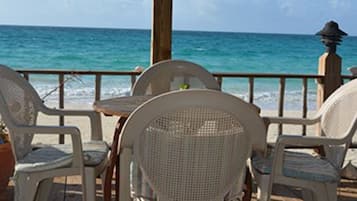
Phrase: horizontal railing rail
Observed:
(220, 76)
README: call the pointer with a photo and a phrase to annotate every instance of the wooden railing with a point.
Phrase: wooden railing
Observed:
(282, 83)
(251, 77)
(61, 82)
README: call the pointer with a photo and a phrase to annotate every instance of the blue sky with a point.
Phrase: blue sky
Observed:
(265, 16)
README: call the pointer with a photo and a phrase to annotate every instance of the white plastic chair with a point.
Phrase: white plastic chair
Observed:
(35, 169)
(165, 76)
(317, 176)
(170, 75)
(191, 145)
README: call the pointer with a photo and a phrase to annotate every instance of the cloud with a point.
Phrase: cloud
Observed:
(338, 4)
(204, 8)
(297, 8)
(287, 7)
(306, 8)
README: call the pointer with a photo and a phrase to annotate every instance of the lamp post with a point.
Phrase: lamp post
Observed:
(329, 62)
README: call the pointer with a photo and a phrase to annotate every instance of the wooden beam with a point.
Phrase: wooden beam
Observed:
(161, 30)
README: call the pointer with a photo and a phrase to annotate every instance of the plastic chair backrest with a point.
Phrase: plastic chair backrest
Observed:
(172, 75)
(168, 75)
(18, 106)
(331, 99)
(338, 113)
(189, 145)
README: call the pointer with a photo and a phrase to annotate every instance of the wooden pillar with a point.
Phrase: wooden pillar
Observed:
(161, 30)
(330, 67)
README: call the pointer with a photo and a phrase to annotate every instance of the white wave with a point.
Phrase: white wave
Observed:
(84, 93)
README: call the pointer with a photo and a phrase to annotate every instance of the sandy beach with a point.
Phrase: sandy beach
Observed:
(108, 125)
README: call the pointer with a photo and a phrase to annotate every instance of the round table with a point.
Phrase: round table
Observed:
(120, 106)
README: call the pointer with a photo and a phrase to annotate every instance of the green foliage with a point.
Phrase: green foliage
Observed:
(184, 86)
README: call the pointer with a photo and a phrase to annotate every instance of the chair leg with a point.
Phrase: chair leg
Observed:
(146, 190)
(90, 183)
(307, 195)
(331, 191)
(44, 189)
(263, 193)
(136, 179)
(25, 187)
(325, 192)
(319, 192)
(124, 182)
(102, 178)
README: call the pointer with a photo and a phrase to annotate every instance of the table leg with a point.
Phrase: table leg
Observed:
(117, 177)
(113, 161)
(247, 186)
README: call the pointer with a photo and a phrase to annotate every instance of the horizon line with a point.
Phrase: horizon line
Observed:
(149, 29)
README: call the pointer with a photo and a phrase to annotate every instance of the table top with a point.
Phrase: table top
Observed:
(120, 106)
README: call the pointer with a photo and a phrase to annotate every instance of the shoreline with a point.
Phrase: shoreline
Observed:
(267, 100)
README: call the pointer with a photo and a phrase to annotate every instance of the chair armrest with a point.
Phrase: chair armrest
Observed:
(306, 141)
(94, 117)
(286, 140)
(74, 132)
(291, 120)
(303, 141)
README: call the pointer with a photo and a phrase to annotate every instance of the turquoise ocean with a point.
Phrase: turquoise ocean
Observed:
(30, 47)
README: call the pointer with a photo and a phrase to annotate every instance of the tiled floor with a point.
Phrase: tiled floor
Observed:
(347, 191)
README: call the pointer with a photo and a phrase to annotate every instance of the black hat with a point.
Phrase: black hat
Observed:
(331, 29)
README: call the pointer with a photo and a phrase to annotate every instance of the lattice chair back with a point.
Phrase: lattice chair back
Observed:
(18, 106)
(337, 114)
(172, 75)
(192, 145)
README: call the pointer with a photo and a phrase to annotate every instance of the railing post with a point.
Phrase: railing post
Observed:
(26, 76)
(304, 103)
(220, 81)
(251, 90)
(329, 62)
(281, 102)
(98, 84)
(61, 104)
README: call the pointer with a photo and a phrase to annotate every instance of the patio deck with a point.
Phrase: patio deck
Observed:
(346, 192)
